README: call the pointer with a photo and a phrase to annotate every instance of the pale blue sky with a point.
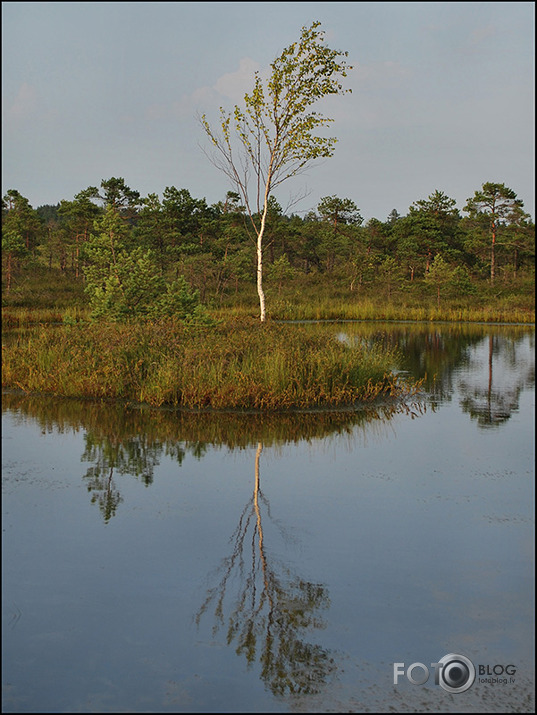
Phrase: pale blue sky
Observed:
(442, 96)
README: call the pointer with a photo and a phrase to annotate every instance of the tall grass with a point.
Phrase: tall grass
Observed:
(378, 311)
(324, 309)
(47, 295)
(236, 364)
(369, 309)
(38, 287)
(23, 317)
(317, 299)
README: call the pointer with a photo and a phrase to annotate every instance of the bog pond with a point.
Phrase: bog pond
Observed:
(157, 560)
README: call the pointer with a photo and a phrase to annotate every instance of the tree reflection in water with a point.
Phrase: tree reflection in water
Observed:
(491, 394)
(119, 453)
(130, 440)
(103, 491)
(271, 609)
(265, 609)
(444, 355)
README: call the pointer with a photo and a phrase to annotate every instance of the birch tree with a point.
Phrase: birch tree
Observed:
(273, 136)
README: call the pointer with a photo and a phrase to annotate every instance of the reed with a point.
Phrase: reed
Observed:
(235, 364)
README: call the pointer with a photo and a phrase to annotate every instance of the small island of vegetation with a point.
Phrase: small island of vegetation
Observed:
(114, 315)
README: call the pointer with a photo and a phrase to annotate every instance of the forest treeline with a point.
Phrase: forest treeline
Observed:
(138, 253)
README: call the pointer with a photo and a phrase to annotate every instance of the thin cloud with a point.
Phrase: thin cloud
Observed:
(24, 104)
(234, 85)
(230, 86)
(480, 35)
(379, 75)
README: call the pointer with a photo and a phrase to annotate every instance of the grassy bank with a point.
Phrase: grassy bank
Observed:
(315, 309)
(25, 317)
(238, 363)
(375, 310)
(235, 364)
(48, 295)
(318, 300)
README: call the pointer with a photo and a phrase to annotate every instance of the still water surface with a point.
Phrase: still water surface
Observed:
(163, 561)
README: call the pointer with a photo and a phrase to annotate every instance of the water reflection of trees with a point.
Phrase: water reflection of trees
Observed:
(114, 454)
(447, 355)
(490, 393)
(423, 351)
(131, 440)
(122, 439)
(269, 612)
(270, 609)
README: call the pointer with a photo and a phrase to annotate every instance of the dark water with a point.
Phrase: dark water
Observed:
(159, 561)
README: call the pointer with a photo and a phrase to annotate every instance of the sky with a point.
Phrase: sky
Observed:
(442, 97)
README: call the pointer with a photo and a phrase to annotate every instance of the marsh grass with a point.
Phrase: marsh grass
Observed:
(319, 297)
(373, 310)
(415, 305)
(40, 287)
(17, 317)
(311, 306)
(236, 364)
(49, 295)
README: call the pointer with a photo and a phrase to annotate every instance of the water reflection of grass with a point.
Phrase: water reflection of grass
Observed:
(239, 364)
(131, 440)
(167, 428)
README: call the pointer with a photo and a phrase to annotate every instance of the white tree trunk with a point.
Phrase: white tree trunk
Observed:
(260, 292)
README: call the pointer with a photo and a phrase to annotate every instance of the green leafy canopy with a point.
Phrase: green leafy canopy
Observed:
(277, 125)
